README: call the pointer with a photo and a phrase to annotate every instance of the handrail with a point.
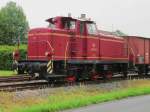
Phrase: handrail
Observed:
(66, 55)
(46, 42)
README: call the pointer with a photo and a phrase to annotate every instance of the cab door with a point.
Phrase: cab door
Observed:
(78, 42)
(84, 39)
(92, 42)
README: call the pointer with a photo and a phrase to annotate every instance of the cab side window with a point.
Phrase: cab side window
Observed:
(70, 25)
(51, 25)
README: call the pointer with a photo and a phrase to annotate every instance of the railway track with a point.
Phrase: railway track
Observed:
(16, 78)
(19, 83)
(18, 86)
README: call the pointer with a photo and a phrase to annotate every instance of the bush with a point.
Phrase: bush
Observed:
(6, 58)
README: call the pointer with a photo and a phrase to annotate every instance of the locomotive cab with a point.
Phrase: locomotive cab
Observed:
(62, 23)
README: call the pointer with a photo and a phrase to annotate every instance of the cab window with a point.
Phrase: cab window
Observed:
(51, 25)
(91, 28)
(70, 25)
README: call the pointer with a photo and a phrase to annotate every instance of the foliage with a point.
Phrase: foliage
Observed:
(6, 58)
(13, 24)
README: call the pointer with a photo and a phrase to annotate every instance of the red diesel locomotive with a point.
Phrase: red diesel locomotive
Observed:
(74, 49)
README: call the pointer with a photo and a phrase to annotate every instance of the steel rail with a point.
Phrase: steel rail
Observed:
(38, 84)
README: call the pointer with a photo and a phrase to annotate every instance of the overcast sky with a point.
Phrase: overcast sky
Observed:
(130, 16)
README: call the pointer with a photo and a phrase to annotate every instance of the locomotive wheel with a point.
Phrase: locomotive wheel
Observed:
(94, 76)
(125, 74)
(20, 72)
(42, 76)
(71, 78)
(72, 75)
(125, 71)
(109, 75)
(146, 70)
(141, 70)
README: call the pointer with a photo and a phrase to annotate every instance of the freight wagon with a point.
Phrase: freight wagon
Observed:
(139, 53)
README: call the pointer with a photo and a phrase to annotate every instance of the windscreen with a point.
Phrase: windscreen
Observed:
(91, 28)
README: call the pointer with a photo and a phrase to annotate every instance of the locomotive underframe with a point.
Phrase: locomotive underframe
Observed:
(80, 69)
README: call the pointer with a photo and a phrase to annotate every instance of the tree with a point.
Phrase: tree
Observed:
(13, 24)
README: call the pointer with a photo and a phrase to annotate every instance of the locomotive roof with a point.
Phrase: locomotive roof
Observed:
(136, 37)
(71, 18)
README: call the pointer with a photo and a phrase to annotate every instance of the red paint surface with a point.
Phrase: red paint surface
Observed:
(96, 48)
(139, 47)
(70, 44)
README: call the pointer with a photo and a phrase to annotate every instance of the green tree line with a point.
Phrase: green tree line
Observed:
(13, 24)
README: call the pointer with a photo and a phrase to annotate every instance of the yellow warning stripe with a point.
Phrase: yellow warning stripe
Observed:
(49, 63)
(50, 67)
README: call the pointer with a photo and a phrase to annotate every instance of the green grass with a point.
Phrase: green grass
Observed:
(67, 101)
(7, 73)
(70, 97)
(12, 48)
